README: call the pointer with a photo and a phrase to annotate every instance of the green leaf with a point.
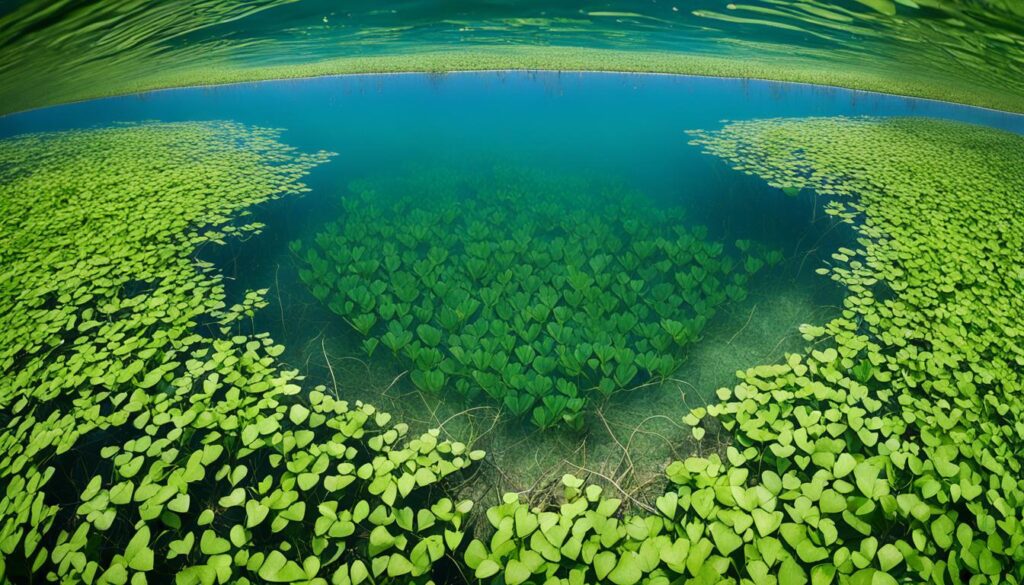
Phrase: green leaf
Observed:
(92, 488)
(406, 483)
(627, 570)
(942, 531)
(603, 563)
(398, 565)
(866, 474)
(809, 553)
(525, 522)
(516, 572)
(296, 512)
(182, 546)
(832, 502)
(675, 556)
(358, 572)
(766, 522)
(989, 564)
(179, 504)
(235, 498)
(116, 574)
(790, 573)
(822, 574)
(278, 569)
(845, 464)
(211, 544)
(307, 481)
(380, 540)
(476, 553)
(452, 538)
(298, 414)
(255, 513)
(486, 568)
(889, 556)
(238, 536)
(138, 554)
(726, 539)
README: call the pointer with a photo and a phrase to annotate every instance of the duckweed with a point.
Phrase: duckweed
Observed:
(533, 292)
(213, 465)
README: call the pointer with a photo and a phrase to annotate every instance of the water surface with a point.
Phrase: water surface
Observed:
(71, 50)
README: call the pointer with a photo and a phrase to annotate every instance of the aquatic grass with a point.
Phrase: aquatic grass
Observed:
(145, 434)
(539, 294)
(889, 451)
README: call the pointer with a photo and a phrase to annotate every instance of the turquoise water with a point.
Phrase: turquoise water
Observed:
(365, 114)
(544, 267)
(630, 127)
(404, 135)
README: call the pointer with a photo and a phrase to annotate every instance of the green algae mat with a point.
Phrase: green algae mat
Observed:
(56, 51)
(150, 434)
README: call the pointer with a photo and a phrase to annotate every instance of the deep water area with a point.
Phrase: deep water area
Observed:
(546, 267)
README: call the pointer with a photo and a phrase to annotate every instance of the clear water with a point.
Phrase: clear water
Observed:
(615, 130)
(589, 170)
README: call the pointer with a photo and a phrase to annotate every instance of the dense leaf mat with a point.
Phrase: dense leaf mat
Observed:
(542, 293)
(889, 452)
(140, 433)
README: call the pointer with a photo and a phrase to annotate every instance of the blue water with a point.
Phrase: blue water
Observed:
(628, 129)
(631, 123)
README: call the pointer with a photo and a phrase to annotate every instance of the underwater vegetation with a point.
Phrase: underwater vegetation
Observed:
(956, 50)
(213, 464)
(535, 293)
(887, 452)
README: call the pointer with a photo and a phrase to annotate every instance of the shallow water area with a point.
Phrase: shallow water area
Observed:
(561, 270)
(562, 138)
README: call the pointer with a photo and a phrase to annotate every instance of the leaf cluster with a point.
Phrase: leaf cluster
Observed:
(535, 296)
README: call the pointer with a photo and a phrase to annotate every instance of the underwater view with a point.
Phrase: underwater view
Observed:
(298, 291)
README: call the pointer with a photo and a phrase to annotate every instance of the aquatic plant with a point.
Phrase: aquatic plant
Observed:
(891, 451)
(143, 433)
(541, 296)
(888, 452)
